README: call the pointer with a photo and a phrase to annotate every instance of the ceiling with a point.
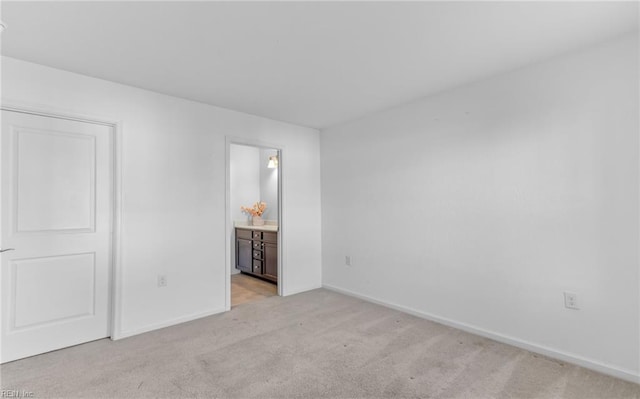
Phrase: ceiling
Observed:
(314, 64)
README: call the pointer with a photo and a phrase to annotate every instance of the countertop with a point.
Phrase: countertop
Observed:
(268, 226)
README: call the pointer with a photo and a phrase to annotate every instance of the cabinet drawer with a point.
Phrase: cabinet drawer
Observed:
(257, 266)
(270, 236)
(241, 233)
(257, 254)
(257, 235)
(258, 245)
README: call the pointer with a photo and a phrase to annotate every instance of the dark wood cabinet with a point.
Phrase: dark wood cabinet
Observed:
(270, 262)
(257, 253)
(243, 255)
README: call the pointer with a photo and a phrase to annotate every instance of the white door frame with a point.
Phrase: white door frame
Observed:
(229, 223)
(115, 272)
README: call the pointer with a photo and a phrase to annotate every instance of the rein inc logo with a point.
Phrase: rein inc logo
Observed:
(16, 393)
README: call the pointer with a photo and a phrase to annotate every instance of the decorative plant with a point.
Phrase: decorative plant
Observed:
(257, 210)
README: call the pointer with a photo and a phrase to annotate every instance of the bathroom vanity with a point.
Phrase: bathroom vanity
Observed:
(257, 251)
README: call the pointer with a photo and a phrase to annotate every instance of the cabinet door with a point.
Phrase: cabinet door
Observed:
(244, 255)
(270, 263)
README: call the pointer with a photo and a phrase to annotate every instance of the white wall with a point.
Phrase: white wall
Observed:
(245, 171)
(173, 185)
(481, 205)
(269, 184)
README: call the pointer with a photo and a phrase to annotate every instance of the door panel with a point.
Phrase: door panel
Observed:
(54, 181)
(67, 298)
(57, 214)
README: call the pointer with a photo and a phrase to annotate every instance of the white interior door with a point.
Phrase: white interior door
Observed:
(56, 213)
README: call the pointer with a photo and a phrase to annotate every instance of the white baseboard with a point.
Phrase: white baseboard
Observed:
(627, 375)
(168, 323)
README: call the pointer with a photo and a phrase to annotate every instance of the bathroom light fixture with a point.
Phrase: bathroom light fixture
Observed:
(273, 162)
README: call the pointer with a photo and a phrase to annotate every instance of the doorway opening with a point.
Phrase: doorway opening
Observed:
(254, 243)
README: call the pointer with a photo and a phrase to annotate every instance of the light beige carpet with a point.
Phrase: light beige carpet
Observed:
(311, 345)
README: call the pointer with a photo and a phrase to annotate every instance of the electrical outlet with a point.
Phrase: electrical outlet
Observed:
(162, 280)
(571, 300)
(347, 260)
